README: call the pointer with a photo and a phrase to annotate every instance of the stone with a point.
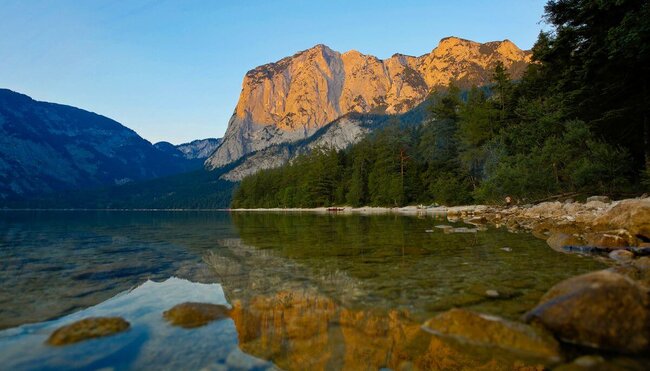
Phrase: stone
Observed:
(595, 205)
(610, 240)
(641, 250)
(558, 241)
(603, 199)
(603, 310)
(477, 220)
(621, 255)
(640, 275)
(492, 293)
(87, 328)
(190, 315)
(583, 249)
(486, 330)
(589, 362)
(632, 215)
(642, 263)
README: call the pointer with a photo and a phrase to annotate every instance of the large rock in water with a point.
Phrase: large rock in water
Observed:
(603, 310)
(291, 99)
(190, 315)
(87, 328)
(485, 330)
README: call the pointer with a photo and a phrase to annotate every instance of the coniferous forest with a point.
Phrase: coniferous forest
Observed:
(576, 122)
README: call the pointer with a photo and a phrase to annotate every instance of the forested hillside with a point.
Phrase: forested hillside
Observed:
(577, 121)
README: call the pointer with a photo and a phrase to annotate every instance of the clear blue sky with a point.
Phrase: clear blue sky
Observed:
(172, 70)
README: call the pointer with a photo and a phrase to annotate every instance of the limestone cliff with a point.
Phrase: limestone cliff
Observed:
(290, 99)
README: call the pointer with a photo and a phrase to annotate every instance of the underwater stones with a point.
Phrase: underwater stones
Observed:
(87, 328)
(604, 310)
(484, 330)
(190, 315)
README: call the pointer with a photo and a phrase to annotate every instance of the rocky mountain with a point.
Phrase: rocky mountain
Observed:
(47, 147)
(348, 129)
(291, 99)
(200, 148)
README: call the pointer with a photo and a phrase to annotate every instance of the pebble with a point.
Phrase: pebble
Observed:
(492, 293)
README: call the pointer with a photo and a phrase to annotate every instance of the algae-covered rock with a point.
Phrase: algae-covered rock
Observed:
(485, 330)
(190, 315)
(87, 328)
(604, 310)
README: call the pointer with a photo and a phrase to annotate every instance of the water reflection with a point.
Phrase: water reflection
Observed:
(54, 263)
(396, 262)
(308, 291)
(347, 292)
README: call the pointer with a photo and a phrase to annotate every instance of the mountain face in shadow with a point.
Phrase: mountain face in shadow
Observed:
(47, 147)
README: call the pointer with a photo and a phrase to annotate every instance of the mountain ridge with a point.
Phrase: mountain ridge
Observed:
(48, 147)
(290, 99)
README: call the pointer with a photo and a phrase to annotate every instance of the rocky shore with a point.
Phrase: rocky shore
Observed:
(603, 311)
(598, 225)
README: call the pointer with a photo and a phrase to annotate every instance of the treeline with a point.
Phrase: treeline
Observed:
(577, 121)
(194, 190)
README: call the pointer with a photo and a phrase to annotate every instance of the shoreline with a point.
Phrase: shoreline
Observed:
(598, 225)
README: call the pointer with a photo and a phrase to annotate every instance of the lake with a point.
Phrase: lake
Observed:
(307, 291)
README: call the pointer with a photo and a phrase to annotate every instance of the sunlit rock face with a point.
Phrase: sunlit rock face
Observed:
(290, 99)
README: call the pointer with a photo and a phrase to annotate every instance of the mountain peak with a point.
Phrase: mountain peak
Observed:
(290, 99)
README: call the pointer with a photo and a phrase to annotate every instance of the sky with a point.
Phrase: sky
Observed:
(172, 70)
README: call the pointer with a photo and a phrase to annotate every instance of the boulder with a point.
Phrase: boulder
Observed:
(87, 328)
(636, 272)
(558, 241)
(610, 240)
(621, 255)
(190, 315)
(603, 199)
(603, 310)
(485, 330)
(632, 215)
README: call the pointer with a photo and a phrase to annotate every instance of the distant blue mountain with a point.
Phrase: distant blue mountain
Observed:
(47, 147)
(199, 149)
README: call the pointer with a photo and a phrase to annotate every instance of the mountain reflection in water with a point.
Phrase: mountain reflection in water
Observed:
(307, 291)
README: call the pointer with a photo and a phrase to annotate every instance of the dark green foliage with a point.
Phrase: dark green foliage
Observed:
(598, 63)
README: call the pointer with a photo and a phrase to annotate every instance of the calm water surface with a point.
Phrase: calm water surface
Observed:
(307, 291)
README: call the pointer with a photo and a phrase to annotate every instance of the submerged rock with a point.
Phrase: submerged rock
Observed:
(87, 328)
(485, 330)
(559, 241)
(190, 315)
(603, 310)
(621, 255)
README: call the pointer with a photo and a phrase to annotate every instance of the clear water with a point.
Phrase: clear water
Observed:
(308, 291)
